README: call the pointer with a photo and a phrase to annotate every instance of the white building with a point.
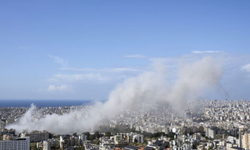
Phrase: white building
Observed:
(16, 144)
(138, 138)
(82, 138)
(46, 145)
(210, 132)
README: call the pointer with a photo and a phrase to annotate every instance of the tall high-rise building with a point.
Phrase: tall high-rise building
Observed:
(211, 132)
(240, 135)
(246, 140)
(187, 114)
(15, 144)
(46, 145)
(82, 138)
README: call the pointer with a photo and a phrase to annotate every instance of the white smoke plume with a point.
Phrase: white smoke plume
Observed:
(153, 87)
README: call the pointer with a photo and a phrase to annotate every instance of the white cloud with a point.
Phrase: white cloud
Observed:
(124, 69)
(235, 68)
(80, 69)
(202, 52)
(246, 68)
(135, 56)
(57, 88)
(61, 61)
(79, 77)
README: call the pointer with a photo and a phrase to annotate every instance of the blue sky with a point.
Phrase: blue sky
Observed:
(83, 49)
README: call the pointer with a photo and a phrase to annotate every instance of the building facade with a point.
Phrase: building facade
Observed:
(36, 136)
(246, 140)
(16, 144)
(46, 145)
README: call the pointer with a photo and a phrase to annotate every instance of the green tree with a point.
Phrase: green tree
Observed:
(108, 134)
(171, 135)
(97, 141)
(92, 137)
(97, 135)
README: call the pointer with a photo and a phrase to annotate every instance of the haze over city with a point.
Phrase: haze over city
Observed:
(124, 75)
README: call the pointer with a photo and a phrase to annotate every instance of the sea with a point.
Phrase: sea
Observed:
(44, 103)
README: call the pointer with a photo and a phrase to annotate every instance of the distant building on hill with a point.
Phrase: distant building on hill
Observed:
(36, 136)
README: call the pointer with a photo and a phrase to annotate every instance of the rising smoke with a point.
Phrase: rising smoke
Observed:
(152, 87)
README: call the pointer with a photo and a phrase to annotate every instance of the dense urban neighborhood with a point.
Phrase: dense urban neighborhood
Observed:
(215, 124)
